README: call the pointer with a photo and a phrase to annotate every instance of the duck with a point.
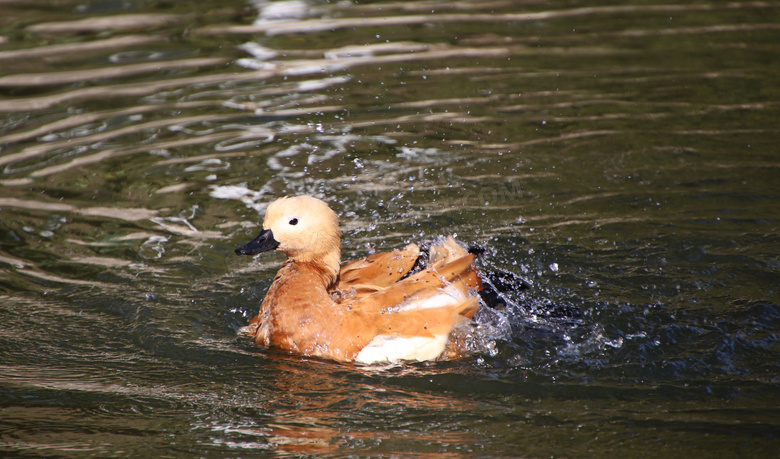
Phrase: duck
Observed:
(405, 305)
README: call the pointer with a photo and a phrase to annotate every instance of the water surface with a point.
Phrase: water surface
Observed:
(617, 163)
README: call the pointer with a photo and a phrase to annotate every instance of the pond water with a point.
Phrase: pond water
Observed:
(618, 164)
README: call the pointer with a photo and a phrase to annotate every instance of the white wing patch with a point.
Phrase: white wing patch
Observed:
(387, 348)
(447, 296)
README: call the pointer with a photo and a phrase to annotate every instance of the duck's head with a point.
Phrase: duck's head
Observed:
(303, 228)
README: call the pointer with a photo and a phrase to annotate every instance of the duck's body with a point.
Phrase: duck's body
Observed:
(371, 310)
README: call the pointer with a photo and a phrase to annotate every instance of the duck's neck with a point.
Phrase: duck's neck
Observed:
(332, 265)
(328, 266)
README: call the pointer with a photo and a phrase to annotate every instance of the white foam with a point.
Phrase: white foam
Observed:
(239, 193)
(316, 85)
(259, 51)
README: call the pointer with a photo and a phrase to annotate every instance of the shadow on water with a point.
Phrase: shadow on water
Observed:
(613, 165)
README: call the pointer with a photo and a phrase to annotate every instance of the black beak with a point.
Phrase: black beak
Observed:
(262, 243)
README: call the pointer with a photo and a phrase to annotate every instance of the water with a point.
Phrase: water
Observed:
(617, 163)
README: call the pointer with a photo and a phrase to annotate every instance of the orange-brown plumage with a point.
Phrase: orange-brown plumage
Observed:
(370, 310)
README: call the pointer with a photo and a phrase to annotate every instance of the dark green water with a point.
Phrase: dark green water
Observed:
(621, 159)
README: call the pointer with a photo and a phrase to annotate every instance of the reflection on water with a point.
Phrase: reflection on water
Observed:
(616, 165)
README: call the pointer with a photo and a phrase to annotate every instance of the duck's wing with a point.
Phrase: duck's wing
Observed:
(415, 316)
(444, 252)
(379, 270)
(423, 290)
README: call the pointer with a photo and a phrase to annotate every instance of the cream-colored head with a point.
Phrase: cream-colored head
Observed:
(306, 230)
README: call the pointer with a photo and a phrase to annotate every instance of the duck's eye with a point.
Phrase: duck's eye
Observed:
(294, 221)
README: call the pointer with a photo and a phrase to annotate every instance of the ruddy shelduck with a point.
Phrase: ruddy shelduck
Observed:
(384, 308)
